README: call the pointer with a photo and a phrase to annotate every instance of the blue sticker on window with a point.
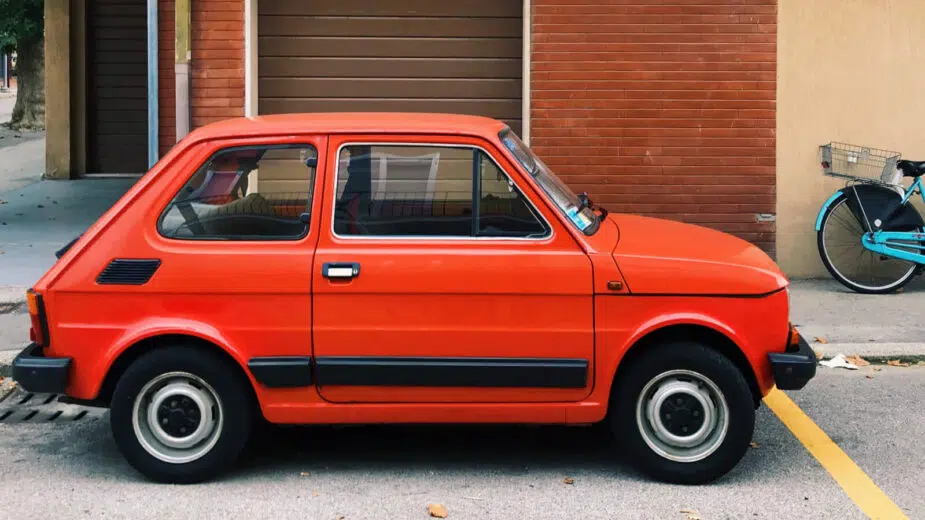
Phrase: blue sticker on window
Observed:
(580, 221)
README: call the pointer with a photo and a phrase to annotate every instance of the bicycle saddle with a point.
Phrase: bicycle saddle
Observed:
(912, 168)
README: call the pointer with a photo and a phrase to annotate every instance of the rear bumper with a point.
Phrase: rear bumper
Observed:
(36, 373)
(792, 370)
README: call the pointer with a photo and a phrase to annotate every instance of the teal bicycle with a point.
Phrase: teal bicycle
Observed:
(870, 237)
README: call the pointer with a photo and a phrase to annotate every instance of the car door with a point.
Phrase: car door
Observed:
(440, 278)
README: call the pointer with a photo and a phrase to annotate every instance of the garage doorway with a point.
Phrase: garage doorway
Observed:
(117, 92)
(463, 56)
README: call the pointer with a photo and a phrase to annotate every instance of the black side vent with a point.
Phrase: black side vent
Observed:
(128, 271)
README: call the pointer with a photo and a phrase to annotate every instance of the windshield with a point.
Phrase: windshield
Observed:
(579, 214)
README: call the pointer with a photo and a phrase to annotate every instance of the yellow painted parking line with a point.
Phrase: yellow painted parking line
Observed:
(856, 484)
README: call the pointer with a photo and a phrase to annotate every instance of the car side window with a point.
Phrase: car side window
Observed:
(245, 193)
(439, 191)
(503, 209)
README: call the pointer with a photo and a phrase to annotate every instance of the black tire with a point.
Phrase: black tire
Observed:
(235, 403)
(901, 280)
(696, 359)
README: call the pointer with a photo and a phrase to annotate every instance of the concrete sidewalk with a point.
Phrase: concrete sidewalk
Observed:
(22, 154)
(38, 219)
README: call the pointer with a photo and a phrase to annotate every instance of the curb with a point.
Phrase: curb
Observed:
(12, 294)
(873, 352)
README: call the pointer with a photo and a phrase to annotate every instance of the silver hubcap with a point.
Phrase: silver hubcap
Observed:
(682, 415)
(177, 417)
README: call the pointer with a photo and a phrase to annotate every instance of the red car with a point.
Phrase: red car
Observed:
(402, 268)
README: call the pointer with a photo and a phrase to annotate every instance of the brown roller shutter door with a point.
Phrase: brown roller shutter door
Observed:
(459, 56)
(117, 107)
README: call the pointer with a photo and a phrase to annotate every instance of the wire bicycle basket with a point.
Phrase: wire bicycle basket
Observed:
(859, 163)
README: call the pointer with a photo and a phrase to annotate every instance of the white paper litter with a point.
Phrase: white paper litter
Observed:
(839, 361)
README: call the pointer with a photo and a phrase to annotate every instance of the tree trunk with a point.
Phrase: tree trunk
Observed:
(29, 111)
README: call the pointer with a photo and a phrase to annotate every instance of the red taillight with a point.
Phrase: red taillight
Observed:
(38, 333)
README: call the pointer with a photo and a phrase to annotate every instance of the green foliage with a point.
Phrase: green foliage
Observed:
(20, 20)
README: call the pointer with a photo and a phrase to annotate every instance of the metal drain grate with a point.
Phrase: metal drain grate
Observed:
(19, 406)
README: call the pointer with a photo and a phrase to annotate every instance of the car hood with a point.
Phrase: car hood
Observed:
(658, 256)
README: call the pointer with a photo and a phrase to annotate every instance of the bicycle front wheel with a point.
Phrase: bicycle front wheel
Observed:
(849, 262)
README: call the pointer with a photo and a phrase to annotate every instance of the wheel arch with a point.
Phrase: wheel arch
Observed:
(142, 346)
(703, 334)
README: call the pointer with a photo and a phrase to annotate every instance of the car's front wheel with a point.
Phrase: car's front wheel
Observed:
(181, 414)
(684, 413)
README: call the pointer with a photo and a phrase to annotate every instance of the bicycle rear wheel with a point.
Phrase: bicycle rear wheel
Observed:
(849, 262)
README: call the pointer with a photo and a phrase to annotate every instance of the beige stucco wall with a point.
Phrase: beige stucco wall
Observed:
(850, 71)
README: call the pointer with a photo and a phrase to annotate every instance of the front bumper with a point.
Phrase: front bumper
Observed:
(792, 370)
(36, 373)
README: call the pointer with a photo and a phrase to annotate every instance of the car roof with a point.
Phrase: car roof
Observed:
(352, 123)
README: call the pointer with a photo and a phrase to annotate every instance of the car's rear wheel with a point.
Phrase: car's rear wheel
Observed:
(683, 412)
(181, 414)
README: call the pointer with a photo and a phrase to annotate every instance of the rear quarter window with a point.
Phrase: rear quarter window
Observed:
(251, 193)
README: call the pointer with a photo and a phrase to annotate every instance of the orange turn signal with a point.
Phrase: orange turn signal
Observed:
(793, 339)
(39, 330)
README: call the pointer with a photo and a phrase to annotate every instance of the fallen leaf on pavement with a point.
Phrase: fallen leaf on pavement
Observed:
(896, 363)
(877, 369)
(818, 354)
(315, 493)
(304, 474)
(340, 517)
(569, 480)
(821, 339)
(436, 511)
(857, 360)
(691, 514)
(753, 444)
(869, 376)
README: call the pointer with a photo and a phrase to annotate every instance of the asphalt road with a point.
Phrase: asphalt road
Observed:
(72, 469)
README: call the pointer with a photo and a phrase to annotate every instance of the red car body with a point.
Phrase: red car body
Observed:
(582, 302)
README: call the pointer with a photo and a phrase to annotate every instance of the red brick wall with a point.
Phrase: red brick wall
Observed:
(661, 108)
(218, 60)
(217, 66)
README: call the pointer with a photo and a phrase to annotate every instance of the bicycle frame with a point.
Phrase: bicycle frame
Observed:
(884, 242)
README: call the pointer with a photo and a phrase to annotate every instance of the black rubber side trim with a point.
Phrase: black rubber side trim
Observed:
(455, 372)
(282, 371)
(128, 271)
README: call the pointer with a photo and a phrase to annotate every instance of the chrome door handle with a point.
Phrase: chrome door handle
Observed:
(340, 270)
